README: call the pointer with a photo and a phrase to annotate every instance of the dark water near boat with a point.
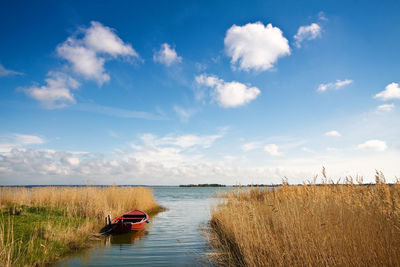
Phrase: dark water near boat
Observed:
(173, 238)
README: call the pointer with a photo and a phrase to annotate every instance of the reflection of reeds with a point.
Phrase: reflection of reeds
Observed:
(309, 225)
(39, 225)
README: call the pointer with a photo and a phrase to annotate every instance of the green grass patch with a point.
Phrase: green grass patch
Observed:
(40, 235)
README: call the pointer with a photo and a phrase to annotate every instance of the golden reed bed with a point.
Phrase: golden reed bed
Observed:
(42, 224)
(84, 201)
(309, 225)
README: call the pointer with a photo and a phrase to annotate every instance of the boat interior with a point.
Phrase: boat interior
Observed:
(133, 218)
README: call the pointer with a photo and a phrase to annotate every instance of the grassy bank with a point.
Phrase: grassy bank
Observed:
(308, 225)
(40, 225)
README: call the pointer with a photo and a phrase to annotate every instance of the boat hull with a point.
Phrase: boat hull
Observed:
(134, 220)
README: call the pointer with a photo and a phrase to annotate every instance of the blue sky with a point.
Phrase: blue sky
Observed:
(178, 92)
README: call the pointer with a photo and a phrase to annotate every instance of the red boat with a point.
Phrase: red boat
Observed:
(134, 220)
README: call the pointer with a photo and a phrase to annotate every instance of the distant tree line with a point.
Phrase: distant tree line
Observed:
(202, 185)
(258, 185)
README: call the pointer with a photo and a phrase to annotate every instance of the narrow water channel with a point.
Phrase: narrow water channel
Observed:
(173, 238)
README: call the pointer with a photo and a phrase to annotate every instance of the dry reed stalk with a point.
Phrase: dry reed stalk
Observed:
(7, 245)
(329, 225)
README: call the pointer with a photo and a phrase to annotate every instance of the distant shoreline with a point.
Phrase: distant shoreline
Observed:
(202, 185)
(182, 185)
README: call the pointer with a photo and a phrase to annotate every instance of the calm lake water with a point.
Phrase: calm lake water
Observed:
(173, 238)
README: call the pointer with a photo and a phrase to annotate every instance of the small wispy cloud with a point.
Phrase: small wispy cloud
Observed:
(273, 150)
(331, 149)
(251, 146)
(181, 141)
(385, 108)
(336, 85)
(9, 142)
(166, 55)
(200, 66)
(7, 72)
(118, 112)
(309, 32)
(322, 16)
(113, 134)
(333, 133)
(57, 92)
(24, 139)
(184, 113)
(308, 150)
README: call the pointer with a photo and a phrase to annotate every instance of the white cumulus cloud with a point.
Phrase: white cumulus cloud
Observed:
(103, 39)
(87, 55)
(385, 107)
(336, 85)
(255, 46)
(228, 94)
(86, 52)
(84, 61)
(166, 55)
(309, 32)
(333, 133)
(373, 145)
(392, 91)
(273, 150)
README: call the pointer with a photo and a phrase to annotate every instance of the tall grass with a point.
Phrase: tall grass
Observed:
(309, 225)
(82, 201)
(39, 225)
